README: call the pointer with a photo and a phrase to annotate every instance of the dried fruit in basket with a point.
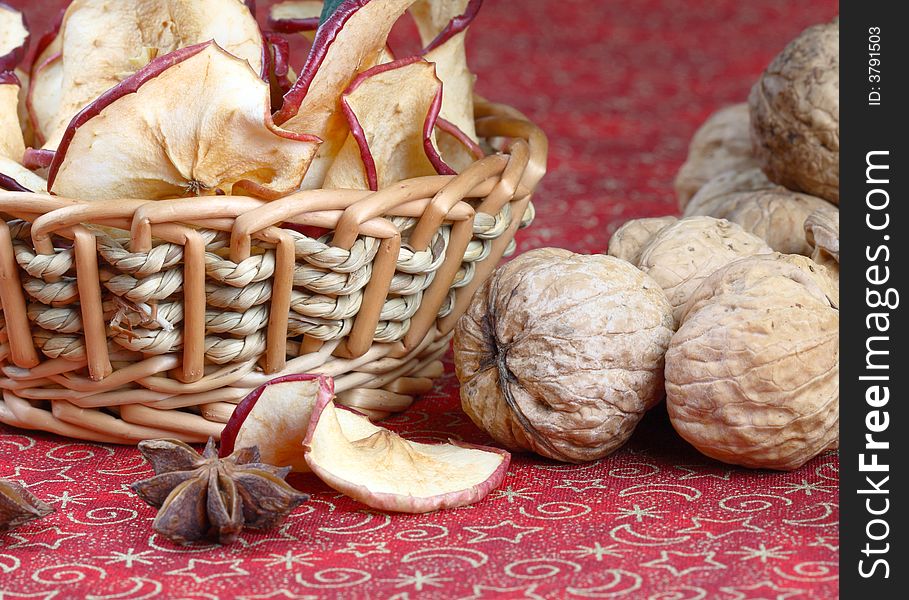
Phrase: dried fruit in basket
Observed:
(45, 84)
(296, 16)
(206, 497)
(384, 471)
(752, 375)
(274, 418)
(14, 37)
(19, 506)
(352, 40)
(562, 354)
(443, 26)
(142, 140)
(105, 41)
(391, 110)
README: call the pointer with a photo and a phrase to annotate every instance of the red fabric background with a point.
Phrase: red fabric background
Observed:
(619, 87)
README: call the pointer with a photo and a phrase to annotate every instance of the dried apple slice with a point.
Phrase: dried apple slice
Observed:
(384, 471)
(193, 122)
(12, 144)
(455, 147)
(280, 76)
(443, 28)
(43, 100)
(16, 178)
(296, 16)
(275, 417)
(350, 41)
(13, 37)
(46, 76)
(103, 42)
(391, 110)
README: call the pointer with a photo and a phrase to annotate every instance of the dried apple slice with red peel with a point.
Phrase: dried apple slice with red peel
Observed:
(352, 40)
(455, 147)
(13, 37)
(275, 417)
(12, 144)
(16, 178)
(142, 140)
(391, 111)
(278, 67)
(384, 471)
(105, 41)
(443, 25)
(296, 16)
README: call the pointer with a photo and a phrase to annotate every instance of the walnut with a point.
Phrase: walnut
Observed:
(561, 353)
(629, 239)
(680, 256)
(822, 231)
(752, 375)
(795, 114)
(773, 213)
(722, 143)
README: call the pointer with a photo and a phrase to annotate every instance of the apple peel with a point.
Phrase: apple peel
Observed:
(275, 417)
(456, 148)
(443, 25)
(296, 16)
(391, 110)
(16, 178)
(140, 140)
(14, 37)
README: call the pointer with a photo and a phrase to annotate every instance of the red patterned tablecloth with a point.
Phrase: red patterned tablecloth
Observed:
(619, 87)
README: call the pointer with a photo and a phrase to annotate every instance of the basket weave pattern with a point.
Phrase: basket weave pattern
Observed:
(132, 319)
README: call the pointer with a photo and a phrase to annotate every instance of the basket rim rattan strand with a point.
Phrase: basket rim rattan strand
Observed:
(66, 304)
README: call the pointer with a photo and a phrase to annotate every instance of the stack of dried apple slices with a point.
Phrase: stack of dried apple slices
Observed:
(295, 423)
(180, 98)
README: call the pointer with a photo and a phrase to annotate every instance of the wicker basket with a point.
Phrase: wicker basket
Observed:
(131, 319)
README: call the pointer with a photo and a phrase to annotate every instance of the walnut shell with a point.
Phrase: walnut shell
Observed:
(681, 255)
(629, 239)
(773, 213)
(822, 230)
(752, 375)
(795, 114)
(562, 353)
(722, 143)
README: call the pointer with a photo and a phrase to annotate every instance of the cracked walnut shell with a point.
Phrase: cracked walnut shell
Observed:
(562, 353)
(752, 375)
(773, 213)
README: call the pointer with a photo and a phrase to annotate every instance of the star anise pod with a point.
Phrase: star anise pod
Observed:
(206, 497)
(18, 506)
